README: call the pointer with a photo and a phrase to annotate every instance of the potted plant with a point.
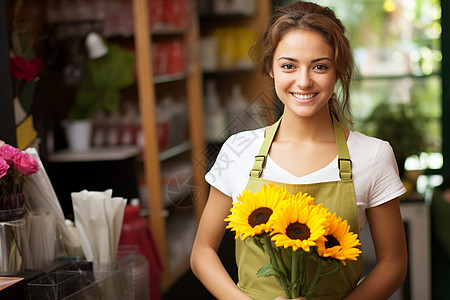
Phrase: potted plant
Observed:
(109, 69)
(400, 125)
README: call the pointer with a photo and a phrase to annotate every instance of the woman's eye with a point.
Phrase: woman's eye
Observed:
(287, 66)
(321, 67)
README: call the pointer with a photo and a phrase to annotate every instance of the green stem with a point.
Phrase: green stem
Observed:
(280, 261)
(275, 262)
(336, 266)
(294, 273)
(302, 268)
(315, 280)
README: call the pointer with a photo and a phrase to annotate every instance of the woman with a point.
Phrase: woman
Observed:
(306, 53)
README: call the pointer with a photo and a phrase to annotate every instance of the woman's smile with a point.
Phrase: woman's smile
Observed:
(304, 98)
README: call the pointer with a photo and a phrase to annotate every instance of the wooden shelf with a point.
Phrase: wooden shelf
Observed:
(167, 31)
(95, 154)
(153, 167)
(174, 151)
(168, 78)
(155, 163)
(227, 72)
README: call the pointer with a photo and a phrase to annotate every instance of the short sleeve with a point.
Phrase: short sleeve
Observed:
(230, 171)
(386, 183)
(218, 175)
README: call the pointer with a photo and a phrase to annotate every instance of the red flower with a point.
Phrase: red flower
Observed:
(22, 68)
(25, 164)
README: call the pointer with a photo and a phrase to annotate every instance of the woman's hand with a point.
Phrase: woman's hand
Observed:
(283, 298)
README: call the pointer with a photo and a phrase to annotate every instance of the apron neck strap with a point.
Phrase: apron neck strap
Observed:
(260, 159)
(344, 162)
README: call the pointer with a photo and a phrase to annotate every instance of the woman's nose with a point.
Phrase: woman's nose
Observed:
(304, 80)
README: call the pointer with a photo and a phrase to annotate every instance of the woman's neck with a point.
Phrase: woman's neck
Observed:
(316, 128)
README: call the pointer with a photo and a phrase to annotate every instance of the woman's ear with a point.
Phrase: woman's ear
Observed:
(271, 74)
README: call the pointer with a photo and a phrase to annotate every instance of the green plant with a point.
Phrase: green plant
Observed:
(101, 83)
(401, 125)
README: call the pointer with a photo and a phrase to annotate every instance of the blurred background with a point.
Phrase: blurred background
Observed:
(162, 83)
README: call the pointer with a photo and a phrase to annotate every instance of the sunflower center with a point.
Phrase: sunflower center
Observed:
(331, 242)
(259, 216)
(298, 231)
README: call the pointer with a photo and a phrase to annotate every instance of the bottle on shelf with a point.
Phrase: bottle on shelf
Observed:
(215, 119)
(112, 137)
(100, 129)
(129, 125)
(163, 117)
(236, 111)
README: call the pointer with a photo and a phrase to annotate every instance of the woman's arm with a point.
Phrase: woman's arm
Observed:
(205, 263)
(386, 227)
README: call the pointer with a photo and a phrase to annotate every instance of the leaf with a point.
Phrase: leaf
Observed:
(100, 86)
(268, 270)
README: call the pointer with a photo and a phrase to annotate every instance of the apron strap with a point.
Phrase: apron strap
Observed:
(344, 162)
(260, 159)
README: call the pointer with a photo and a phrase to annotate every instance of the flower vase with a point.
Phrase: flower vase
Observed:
(12, 229)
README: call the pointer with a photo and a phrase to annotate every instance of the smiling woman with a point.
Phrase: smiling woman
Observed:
(350, 175)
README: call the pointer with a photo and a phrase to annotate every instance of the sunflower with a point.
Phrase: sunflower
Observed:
(252, 214)
(304, 197)
(340, 243)
(298, 224)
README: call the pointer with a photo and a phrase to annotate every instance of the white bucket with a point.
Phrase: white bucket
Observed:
(78, 134)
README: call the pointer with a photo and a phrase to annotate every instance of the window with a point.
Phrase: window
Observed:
(397, 48)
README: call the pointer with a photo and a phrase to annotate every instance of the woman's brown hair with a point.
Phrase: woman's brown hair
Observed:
(313, 17)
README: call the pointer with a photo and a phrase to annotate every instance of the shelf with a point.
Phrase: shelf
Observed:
(181, 229)
(167, 187)
(74, 22)
(168, 31)
(212, 17)
(107, 153)
(174, 151)
(228, 72)
(168, 78)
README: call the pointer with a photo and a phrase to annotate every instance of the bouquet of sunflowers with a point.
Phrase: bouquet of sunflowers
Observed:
(291, 230)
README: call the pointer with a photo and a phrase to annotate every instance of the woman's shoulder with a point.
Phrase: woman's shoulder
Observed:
(244, 142)
(368, 147)
(362, 140)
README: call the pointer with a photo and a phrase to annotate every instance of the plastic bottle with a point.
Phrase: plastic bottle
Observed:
(163, 118)
(243, 114)
(179, 124)
(215, 119)
(236, 111)
(135, 231)
(100, 129)
(112, 137)
(129, 128)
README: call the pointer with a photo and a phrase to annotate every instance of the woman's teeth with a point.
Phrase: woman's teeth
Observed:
(303, 97)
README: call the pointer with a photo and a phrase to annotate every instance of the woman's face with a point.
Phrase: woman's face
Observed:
(304, 73)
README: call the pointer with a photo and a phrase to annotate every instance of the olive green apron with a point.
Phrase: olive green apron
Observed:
(337, 196)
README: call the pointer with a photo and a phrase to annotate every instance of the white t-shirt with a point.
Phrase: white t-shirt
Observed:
(374, 170)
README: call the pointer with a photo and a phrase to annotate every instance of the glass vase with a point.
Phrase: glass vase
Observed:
(12, 232)
(11, 246)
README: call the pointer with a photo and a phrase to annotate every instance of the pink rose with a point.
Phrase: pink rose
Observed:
(25, 164)
(8, 153)
(3, 167)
